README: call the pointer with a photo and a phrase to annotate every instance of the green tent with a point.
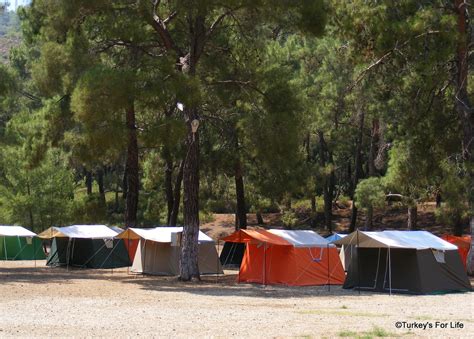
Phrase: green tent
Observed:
(91, 246)
(17, 243)
(90, 253)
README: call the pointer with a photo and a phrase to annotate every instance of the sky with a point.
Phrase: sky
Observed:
(14, 4)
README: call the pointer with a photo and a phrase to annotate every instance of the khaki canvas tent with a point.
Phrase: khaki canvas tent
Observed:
(158, 251)
(18, 243)
(405, 262)
(91, 246)
(345, 252)
(294, 258)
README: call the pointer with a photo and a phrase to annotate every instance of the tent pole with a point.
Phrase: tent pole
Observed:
(389, 271)
(264, 264)
(358, 262)
(5, 247)
(67, 253)
(128, 252)
(329, 281)
(246, 248)
(34, 249)
(217, 263)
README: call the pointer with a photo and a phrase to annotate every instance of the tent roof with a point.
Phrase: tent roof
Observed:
(302, 238)
(79, 231)
(335, 236)
(157, 234)
(15, 231)
(461, 242)
(242, 236)
(396, 239)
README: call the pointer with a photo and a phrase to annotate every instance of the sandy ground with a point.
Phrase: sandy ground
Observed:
(45, 302)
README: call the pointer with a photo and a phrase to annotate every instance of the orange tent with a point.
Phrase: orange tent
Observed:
(294, 258)
(463, 243)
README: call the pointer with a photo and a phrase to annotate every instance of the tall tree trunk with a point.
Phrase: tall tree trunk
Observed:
(412, 217)
(89, 182)
(177, 195)
(374, 139)
(30, 212)
(438, 199)
(100, 183)
(168, 183)
(241, 213)
(124, 183)
(357, 167)
(313, 204)
(131, 204)
(189, 268)
(464, 108)
(329, 182)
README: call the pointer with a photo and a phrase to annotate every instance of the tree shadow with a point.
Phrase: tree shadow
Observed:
(227, 286)
(63, 275)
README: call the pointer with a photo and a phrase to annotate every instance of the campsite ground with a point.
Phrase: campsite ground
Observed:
(55, 302)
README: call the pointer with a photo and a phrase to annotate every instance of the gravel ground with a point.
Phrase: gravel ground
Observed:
(54, 302)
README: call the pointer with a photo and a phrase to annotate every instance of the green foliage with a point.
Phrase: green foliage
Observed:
(370, 192)
(289, 219)
(39, 197)
(279, 88)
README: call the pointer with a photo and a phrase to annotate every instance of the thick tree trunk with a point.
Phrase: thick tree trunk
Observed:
(177, 195)
(241, 212)
(465, 109)
(260, 220)
(412, 217)
(189, 268)
(168, 184)
(131, 204)
(357, 167)
(89, 182)
(100, 183)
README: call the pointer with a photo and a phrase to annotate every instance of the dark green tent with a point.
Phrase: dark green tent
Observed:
(414, 262)
(90, 253)
(91, 246)
(18, 243)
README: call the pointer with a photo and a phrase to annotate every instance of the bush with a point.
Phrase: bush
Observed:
(289, 219)
(370, 192)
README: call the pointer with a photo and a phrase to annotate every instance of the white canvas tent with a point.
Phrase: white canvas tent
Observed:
(15, 231)
(79, 232)
(302, 238)
(158, 251)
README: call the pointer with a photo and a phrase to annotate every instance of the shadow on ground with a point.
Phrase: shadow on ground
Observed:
(221, 286)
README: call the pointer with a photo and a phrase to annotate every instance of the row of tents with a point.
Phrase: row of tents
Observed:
(393, 261)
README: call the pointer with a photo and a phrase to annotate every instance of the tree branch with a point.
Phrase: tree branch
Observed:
(386, 56)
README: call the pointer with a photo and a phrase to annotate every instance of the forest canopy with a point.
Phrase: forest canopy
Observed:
(145, 113)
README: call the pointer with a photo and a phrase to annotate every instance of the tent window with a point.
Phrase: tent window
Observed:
(439, 256)
(109, 243)
(29, 241)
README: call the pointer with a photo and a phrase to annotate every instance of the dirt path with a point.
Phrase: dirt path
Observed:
(58, 303)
